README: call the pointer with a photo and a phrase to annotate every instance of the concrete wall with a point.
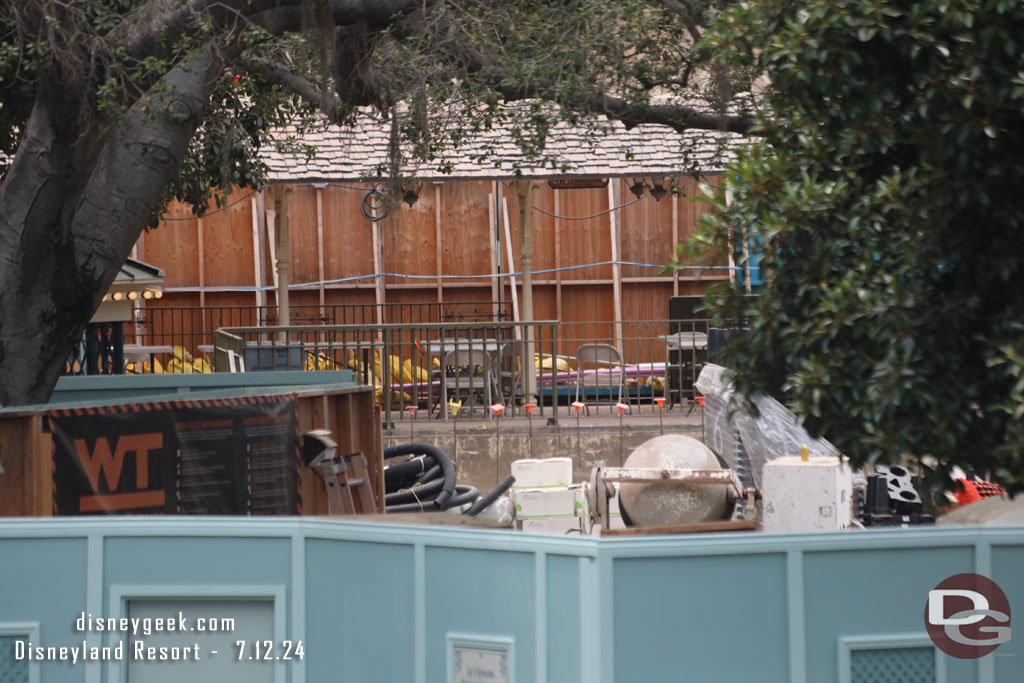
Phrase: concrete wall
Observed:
(484, 457)
(381, 602)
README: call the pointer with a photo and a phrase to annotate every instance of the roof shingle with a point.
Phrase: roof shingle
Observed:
(355, 153)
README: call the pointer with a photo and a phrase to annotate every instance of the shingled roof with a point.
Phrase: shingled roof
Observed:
(357, 152)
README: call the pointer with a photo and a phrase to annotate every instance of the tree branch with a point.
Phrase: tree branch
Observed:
(154, 27)
(679, 117)
(328, 103)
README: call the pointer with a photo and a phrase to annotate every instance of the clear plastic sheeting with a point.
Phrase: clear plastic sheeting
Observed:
(774, 434)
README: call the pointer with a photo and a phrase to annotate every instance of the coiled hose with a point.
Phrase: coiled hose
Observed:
(427, 482)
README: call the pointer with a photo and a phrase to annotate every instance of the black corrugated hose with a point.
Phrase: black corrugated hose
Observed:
(427, 482)
(488, 498)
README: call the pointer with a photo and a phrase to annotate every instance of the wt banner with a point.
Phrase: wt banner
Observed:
(209, 457)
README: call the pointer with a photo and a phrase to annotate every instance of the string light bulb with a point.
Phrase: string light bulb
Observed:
(638, 187)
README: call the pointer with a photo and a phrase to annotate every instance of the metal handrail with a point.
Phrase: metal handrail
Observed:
(232, 339)
(656, 366)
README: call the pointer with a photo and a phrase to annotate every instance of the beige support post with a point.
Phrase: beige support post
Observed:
(675, 243)
(524, 188)
(271, 223)
(257, 260)
(745, 247)
(613, 225)
(378, 289)
(511, 267)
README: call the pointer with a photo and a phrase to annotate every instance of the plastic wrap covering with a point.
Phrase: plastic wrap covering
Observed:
(772, 435)
(501, 511)
(719, 433)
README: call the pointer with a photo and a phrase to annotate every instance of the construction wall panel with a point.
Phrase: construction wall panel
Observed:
(646, 301)
(585, 234)
(544, 229)
(465, 231)
(645, 232)
(302, 226)
(174, 246)
(409, 239)
(469, 212)
(348, 237)
(608, 610)
(227, 243)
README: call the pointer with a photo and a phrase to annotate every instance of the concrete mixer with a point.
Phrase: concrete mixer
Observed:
(669, 480)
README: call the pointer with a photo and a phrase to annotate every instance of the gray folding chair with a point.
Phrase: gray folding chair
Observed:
(607, 360)
(467, 373)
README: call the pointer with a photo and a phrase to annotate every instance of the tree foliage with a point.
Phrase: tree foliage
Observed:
(887, 197)
(439, 71)
(109, 108)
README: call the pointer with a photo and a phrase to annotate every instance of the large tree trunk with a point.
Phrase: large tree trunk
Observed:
(73, 204)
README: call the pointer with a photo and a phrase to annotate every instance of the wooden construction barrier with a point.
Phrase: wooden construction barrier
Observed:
(27, 445)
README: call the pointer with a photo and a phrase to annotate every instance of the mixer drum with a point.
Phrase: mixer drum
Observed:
(673, 503)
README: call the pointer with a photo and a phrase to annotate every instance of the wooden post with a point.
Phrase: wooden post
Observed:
(558, 258)
(511, 267)
(38, 449)
(257, 253)
(320, 241)
(202, 266)
(440, 256)
(613, 225)
(272, 240)
(282, 198)
(200, 240)
(378, 290)
(524, 189)
(492, 232)
(675, 242)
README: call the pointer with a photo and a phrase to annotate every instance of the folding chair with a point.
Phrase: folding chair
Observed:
(467, 372)
(600, 355)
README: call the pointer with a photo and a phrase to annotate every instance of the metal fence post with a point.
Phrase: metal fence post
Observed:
(385, 363)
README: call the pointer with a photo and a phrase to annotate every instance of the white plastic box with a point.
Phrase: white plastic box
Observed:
(552, 525)
(545, 502)
(807, 495)
(531, 473)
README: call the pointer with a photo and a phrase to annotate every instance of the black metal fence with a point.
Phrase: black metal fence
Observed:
(192, 327)
(101, 351)
(633, 367)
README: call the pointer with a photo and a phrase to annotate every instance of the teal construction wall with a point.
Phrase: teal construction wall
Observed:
(95, 388)
(380, 602)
